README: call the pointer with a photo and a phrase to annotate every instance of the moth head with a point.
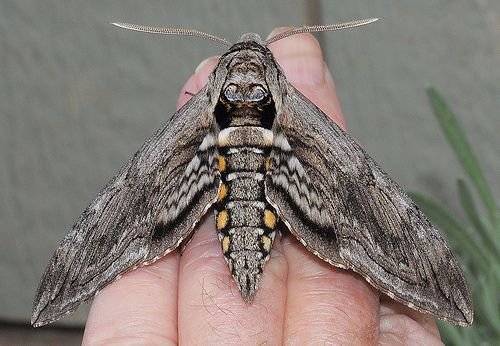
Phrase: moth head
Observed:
(252, 37)
(246, 75)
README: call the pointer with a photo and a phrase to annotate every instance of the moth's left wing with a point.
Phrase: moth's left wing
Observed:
(345, 209)
(143, 213)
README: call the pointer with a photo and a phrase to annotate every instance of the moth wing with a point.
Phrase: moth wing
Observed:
(142, 214)
(345, 209)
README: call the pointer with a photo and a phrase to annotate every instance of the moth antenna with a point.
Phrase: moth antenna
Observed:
(316, 28)
(172, 31)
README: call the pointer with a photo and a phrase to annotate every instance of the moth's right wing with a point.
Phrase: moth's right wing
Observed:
(143, 213)
(345, 209)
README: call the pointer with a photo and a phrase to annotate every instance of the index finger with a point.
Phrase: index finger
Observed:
(323, 302)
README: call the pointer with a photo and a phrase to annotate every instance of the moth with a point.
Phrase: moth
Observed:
(259, 152)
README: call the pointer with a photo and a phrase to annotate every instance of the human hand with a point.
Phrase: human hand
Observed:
(192, 299)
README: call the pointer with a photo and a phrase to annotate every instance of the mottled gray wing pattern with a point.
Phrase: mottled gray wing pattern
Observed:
(143, 213)
(339, 203)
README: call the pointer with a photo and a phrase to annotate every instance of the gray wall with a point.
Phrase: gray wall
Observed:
(79, 96)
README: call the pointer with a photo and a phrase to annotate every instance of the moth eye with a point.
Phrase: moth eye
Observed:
(231, 92)
(251, 93)
(257, 93)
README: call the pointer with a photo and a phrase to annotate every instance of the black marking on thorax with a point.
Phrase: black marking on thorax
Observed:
(244, 114)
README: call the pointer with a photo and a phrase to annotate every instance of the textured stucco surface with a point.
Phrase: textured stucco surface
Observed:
(79, 96)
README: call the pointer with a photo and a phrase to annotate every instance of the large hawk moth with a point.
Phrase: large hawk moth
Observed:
(253, 147)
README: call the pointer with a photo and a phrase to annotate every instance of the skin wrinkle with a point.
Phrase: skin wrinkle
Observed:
(205, 252)
(159, 272)
(143, 339)
(342, 308)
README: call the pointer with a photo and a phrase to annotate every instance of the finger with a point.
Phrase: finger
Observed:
(323, 303)
(143, 303)
(302, 61)
(197, 80)
(211, 310)
(139, 307)
(327, 303)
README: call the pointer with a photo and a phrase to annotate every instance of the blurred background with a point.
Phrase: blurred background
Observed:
(78, 97)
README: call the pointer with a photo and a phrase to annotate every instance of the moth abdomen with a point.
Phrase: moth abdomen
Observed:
(245, 221)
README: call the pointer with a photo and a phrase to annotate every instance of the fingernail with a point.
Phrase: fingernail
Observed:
(277, 31)
(205, 62)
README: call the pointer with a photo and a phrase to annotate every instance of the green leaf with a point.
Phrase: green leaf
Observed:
(483, 271)
(458, 141)
(452, 334)
(454, 230)
(490, 298)
(488, 235)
